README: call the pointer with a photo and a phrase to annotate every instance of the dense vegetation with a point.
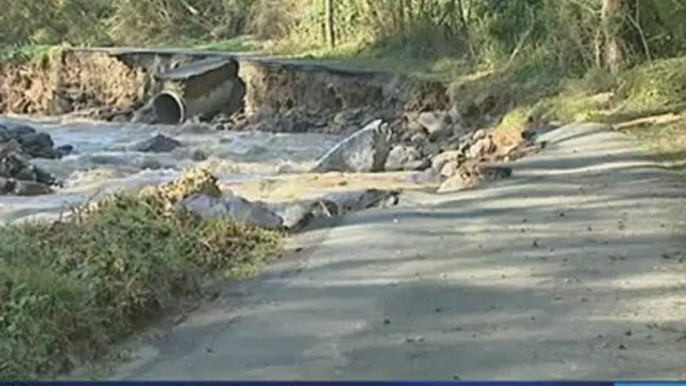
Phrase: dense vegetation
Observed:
(573, 33)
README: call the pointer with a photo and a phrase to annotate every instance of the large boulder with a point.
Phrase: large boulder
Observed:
(15, 165)
(38, 145)
(450, 156)
(204, 206)
(31, 143)
(252, 213)
(438, 124)
(482, 148)
(403, 157)
(5, 134)
(234, 207)
(31, 188)
(157, 144)
(12, 161)
(15, 187)
(363, 152)
(20, 130)
(294, 214)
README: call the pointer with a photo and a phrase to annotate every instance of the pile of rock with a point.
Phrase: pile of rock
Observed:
(17, 175)
(467, 165)
(286, 216)
(32, 143)
(197, 191)
(433, 141)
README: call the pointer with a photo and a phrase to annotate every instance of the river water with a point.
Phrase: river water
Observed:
(103, 161)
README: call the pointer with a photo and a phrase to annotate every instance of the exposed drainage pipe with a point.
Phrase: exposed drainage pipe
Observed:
(171, 108)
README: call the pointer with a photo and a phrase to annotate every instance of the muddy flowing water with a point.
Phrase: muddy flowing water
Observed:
(103, 161)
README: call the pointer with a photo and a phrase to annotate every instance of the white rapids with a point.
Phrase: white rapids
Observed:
(103, 162)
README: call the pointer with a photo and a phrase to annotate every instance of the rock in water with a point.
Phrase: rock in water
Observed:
(198, 155)
(31, 188)
(157, 144)
(363, 152)
(38, 145)
(22, 188)
(5, 135)
(21, 130)
(13, 164)
(31, 143)
(65, 150)
(7, 185)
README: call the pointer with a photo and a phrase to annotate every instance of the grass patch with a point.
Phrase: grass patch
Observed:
(29, 53)
(359, 54)
(70, 289)
(238, 44)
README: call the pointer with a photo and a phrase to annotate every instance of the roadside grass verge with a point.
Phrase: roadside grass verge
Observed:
(237, 44)
(70, 289)
(32, 53)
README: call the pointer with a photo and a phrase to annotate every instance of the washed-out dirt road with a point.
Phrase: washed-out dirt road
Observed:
(573, 268)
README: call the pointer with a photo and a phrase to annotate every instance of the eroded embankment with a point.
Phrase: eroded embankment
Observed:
(65, 83)
(296, 96)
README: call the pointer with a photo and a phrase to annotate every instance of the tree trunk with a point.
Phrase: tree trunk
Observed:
(330, 23)
(613, 19)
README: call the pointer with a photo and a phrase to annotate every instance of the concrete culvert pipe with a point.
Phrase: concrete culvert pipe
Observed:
(169, 108)
(202, 101)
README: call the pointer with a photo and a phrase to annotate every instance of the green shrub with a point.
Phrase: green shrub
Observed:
(68, 289)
